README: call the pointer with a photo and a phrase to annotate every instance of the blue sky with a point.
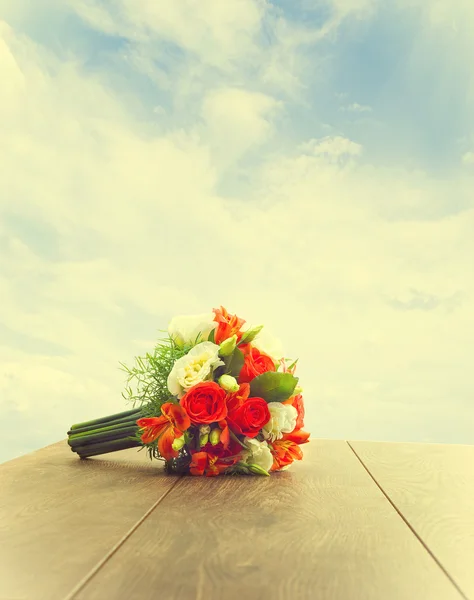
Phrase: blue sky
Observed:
(309, 164)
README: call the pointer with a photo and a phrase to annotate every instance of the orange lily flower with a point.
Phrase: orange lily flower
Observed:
(173, 422)
(228, 325)
(204, 463)
(286, 450)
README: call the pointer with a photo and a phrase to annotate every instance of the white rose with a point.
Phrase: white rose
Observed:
(282, 420)
(196, 366)
(269, 345)
(257, 453)
(185, 329)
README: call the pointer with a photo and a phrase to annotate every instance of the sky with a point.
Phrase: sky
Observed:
(309, 164)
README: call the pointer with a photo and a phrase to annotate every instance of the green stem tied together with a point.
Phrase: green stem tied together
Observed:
(108, 434)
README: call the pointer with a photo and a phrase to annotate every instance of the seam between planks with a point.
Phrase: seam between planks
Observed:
(82, 583)
(407, 523)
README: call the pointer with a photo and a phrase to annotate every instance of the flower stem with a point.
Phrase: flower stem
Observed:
(106, 447)
(123, 420)
(108, 434)
(104, 420)
(92, 431)
(101, 436)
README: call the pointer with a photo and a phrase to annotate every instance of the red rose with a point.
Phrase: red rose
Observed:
(205, 403)
(255, 363)
(249, 418)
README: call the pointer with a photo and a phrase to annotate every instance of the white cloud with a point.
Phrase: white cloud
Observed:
(355, 107)
(332, 147)
(468, 158)
(236, 120)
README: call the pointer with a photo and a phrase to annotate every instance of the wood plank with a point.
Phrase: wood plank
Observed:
(432, 485)
(321, 530)
(59, 515)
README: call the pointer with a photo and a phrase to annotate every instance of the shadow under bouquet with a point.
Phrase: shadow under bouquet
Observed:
(213, 398)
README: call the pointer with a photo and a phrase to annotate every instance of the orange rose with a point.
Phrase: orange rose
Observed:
(255, 363)
(205, 403)
(249, 418)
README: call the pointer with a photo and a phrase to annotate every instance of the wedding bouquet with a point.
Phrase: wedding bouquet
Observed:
(212, 399)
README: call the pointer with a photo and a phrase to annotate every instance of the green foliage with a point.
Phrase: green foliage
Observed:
(150, 377)
(273, 387)
(234, 363)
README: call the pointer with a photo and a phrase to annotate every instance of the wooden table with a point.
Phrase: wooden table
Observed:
(353, 521)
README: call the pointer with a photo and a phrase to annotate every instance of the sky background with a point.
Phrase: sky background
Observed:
(308, 164)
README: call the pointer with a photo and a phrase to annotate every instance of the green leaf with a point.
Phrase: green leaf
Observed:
(234, 363)
(273, 387)
(250, 335)
(212, 337)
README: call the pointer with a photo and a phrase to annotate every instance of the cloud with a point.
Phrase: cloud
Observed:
(357, 108)
(468, 158)
(160, 179)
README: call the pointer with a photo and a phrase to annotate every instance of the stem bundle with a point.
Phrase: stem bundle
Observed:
(104, 435)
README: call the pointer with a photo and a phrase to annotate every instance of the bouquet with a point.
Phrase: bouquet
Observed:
(209, 400)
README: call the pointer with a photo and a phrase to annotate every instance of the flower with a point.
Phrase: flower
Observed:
(227, 347)
(228, 383)
(269, 345)
(258, 453)
(228, 325)
(282, 420)
(209, 464)
(286, 450)
(249, 418)
(297, 402)
(196, 366)
(185, 329)
(205, 403)
(173, 422)
(255, 363)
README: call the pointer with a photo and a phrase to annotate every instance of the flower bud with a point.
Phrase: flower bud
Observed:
(228, 346)
(257, 470)
(203, 429)
(215, 436)
(228, 383)
(178, 443)
(251, 334)
(203, 439)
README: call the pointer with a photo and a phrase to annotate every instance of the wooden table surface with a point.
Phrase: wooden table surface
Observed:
(353, 521)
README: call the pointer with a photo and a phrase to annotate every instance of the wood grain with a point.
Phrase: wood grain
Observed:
(322, 530)
(433, 487)
(59, 515)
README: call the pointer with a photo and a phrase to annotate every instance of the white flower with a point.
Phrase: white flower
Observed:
(185, 329)
(282, 420)
(257, 453)
(269, 345)
(196, 366)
